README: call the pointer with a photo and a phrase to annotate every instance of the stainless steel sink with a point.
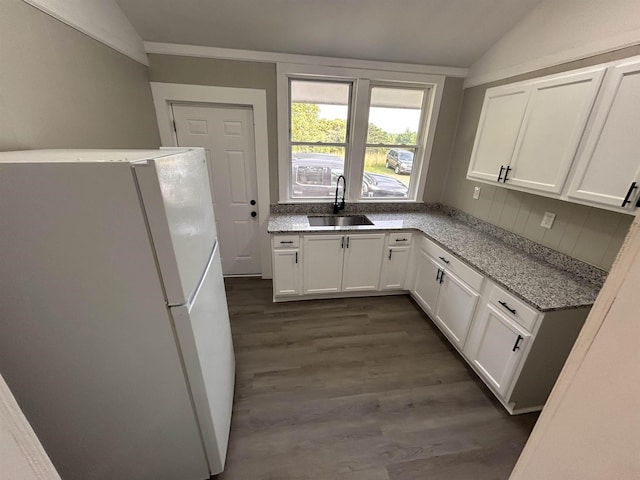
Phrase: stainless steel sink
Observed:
(338, 221)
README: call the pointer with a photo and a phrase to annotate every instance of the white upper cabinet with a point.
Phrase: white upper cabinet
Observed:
(553, 124)
(529, 132)
(608, 164)
(502, 113)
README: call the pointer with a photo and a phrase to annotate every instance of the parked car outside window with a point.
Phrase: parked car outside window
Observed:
(401, 161)
(316, 174)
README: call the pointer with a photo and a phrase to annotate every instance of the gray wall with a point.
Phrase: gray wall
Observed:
(226, 73)
(61, 89)
(444, 139)
(589, 234)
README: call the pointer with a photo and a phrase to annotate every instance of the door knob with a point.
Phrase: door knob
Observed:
(252, 202)
(253, 214)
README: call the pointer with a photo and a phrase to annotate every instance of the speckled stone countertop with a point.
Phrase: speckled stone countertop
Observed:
(544, 286)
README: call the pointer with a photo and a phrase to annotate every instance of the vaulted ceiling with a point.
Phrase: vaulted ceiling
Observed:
(429, 32)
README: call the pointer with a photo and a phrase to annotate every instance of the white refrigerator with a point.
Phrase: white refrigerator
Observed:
(114, 328)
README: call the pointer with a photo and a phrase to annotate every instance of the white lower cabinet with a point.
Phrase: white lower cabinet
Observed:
(496, 347)
(394, 268)
(286, 261)
(322, 266)
(427, 282)
(362, 262)
(342, 263)
(456, 305)
(286, 264)
(440, 289)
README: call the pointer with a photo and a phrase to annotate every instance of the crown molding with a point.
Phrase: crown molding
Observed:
(100, 20)
(272, 57)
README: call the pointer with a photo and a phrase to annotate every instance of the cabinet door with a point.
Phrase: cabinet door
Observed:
(286, 272)
(456, 305)
(322, 264)
(610, 157)
(362, 261)
(491, 347)
(553, 124)
(502, 113)
(394, 268)
(426, 286)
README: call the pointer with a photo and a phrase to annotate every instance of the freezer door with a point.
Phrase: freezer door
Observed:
(204, 334)
(177, 200)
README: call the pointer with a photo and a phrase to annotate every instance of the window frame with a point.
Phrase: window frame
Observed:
(362, 82)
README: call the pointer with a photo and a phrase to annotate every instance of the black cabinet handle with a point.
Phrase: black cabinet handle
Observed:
(504, 304)
(628, 196)
(252, 202)
(442, 276)
(253, 214)
(401, 239)
(286, 241)
(296, 257)
(444, 259)
(516, 346)
(342, 244)
(438, 275)
(506, 172)
(500, 174)
(390, 252)
(347, 242)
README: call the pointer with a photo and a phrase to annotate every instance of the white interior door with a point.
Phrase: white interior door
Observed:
(226, 134)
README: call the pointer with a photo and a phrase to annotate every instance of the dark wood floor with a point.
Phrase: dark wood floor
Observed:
(358, 389)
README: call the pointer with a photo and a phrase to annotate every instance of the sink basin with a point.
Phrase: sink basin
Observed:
(338, 221)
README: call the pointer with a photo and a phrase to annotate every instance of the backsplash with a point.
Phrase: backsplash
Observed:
(351, 208)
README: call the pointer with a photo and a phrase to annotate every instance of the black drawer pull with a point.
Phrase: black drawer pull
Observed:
(438, 275)
(628, 196)
(401, 239)
(516, 346)
(500, 174)
(504, 304)
(506, 172)
(390, 252)
(286, 241)
(444, 259)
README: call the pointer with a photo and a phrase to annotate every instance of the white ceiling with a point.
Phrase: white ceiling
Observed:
(429, 32)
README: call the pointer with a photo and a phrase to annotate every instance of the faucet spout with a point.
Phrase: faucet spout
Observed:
(337, 206)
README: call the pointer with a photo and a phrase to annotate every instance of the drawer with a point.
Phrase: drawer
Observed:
(399, 239)
(449, 262)
(513, 307)
(286, 241)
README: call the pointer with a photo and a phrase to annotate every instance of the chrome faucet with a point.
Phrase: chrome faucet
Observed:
(337, 206)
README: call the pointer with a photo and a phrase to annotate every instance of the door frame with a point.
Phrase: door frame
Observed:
(166, 93)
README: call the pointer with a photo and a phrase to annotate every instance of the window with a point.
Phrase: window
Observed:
(392, 142)
(319, 126)
(372, 127)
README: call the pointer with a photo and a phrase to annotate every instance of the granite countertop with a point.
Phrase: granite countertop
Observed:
(541, 284)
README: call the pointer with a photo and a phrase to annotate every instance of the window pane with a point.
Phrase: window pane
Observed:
(315, 170)
(387, 172)
(394, 116)
(319, 111)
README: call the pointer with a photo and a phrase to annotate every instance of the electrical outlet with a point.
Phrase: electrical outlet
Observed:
(547, 220)
(476, 193)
